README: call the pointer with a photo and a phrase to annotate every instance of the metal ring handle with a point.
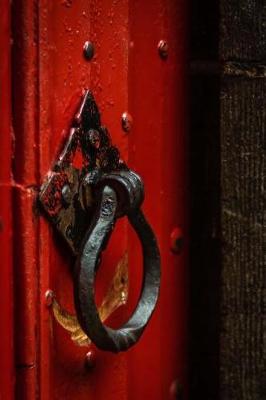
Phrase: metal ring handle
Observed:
(96, 238)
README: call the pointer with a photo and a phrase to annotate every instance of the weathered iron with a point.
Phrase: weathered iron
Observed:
(83, 199)
(67, 195)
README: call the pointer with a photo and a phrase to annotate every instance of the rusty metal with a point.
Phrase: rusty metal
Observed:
(87, 190)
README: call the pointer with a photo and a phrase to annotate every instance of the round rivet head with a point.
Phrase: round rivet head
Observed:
(49, 297)
(176, 240)
(126, 121)
(88, 50)
(163, 49)
(90, 359)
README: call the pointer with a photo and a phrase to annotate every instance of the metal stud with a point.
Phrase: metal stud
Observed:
(49, 297)
(176, 240)
(127, 122)
(163, 49)
(88, 50)
(90, 359)
(176, 390)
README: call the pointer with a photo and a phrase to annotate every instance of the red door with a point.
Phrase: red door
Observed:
(138, 68)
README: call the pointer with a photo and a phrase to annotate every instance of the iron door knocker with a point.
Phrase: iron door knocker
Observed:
(84, 202)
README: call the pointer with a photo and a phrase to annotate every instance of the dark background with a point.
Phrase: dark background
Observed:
(228, 235)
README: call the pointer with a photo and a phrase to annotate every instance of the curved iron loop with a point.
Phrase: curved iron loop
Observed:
(121, 194)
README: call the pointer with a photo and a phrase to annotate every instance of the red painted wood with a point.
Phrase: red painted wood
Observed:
(25, 107)
(157, 146)
(6, 273)
(61, 83)
(126, 74)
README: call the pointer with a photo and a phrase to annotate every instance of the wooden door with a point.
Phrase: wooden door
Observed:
(128, 73)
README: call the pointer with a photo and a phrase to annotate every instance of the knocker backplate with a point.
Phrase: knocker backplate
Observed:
(68, 195)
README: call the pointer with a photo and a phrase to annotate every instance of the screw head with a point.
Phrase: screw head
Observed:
(88, 50)
(90, 359)
(163, 49)
(126, 121)
(176, 240)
